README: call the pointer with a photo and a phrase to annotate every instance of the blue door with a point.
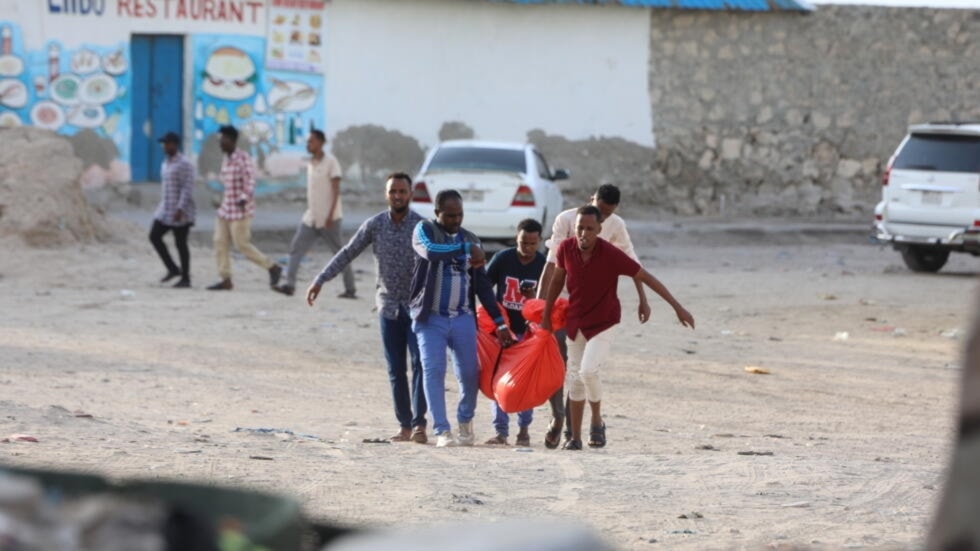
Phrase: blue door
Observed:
(157, 92)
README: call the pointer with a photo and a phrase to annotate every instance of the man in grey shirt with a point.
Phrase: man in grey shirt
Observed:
(390, 234)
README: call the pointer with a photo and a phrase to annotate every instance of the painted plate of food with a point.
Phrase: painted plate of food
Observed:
(65, 89)
(47, 115)
(86, 116)
(114, 63)
(98, 89)
(291, 95)
(10, 66)
(13, 93)
(9, 119)
(84, 62)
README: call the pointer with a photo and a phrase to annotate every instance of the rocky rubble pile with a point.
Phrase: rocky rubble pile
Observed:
(41, 199)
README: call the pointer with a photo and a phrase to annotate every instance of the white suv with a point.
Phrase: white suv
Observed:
(501, 184)
(930, 195)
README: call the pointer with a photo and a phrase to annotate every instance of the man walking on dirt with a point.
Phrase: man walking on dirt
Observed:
(389, 234)
(591, 267)
(176, 210)
(606, 198)
(514, 272)
(323, 215)
(449, 274)
(234, 217)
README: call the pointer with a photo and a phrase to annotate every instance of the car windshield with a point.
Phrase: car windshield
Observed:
(942, 152)
(478, 158)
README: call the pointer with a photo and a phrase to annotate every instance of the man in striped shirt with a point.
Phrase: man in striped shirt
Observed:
(449, 274)
(234, 222)
(176, 210)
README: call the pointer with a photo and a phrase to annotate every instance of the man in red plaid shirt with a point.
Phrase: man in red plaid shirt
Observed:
(234, 221)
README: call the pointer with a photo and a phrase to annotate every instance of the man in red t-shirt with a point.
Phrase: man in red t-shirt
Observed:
(591, 268)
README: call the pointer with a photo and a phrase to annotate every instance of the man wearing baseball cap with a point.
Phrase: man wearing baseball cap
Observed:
(176, 210)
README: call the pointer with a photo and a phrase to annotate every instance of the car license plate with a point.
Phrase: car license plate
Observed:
(932, 197)
(472, 194)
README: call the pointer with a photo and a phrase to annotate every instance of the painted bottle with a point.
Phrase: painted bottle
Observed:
(280, 128)
(7, 47)
(54, 61)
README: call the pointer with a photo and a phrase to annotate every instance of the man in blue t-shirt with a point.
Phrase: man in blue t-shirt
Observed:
(514, 273)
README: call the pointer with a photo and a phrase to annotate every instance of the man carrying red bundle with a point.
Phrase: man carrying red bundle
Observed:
(591, 267)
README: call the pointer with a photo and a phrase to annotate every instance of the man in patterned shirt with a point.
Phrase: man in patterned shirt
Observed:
(234, 221)
(390, 235)
(176, 210)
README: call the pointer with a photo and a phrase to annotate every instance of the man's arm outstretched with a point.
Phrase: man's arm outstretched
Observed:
(653, 283)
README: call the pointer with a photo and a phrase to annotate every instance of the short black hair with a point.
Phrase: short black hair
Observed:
(319, 135)
(230, 131)
(446, 195)
(529, 225)
(608, 194)
(400, 176)
(588, 210)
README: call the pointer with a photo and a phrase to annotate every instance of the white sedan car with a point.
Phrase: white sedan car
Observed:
(501, 184)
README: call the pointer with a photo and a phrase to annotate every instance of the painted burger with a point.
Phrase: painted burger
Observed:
(229, 74)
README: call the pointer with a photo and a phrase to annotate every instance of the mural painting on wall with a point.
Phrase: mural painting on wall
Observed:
(273, 110)
(80, 93)
(295, 36)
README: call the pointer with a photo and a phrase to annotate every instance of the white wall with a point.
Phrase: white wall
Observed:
(501, 68)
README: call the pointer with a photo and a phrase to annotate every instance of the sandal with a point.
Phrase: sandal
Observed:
(597, 436)
(523, 440)
(402, 436)
(499, 440)
(553, 436)
(572, 445)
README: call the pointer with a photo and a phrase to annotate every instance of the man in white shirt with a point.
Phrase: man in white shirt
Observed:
(606, 199)
(323, 214)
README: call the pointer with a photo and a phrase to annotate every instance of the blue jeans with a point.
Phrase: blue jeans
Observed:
(501, 420)
(398, 337)
(459, 334)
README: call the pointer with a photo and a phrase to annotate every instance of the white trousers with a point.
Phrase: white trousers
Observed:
(585, 358)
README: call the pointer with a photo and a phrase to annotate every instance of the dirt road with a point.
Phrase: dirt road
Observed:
(842, 444)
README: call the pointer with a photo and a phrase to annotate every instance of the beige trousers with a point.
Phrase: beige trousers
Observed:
(585, 358)
(238, 233)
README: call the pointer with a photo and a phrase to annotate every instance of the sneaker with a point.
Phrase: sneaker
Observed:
(169, 276)
(466, 436)
(183, 284)
(275, 272)
(347, 294)
(445, 440)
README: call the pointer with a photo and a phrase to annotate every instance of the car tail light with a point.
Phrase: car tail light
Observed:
(888, 172)
(523, 198)
(420, 194)
(878, 218)
(976, 223)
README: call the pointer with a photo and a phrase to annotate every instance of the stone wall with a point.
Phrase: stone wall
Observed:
(780, 114)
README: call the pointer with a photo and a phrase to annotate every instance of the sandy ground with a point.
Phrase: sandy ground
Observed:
(849, 436)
